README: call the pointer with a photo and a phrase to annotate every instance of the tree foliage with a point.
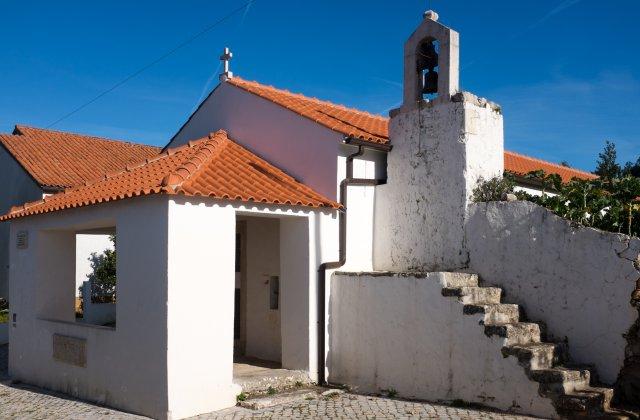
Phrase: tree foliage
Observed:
(612, 205)
(632, 169)
(607, 166)
(611, 202)
(103, 275)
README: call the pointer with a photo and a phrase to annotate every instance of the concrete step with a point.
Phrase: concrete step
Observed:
(521, 333)
(495, 314)
(260, 403)
(535, 356)
(470, 295)
(560, 380)
(590, 400)
(458, 280)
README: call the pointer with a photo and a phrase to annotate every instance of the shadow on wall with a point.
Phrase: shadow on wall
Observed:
(578, 281)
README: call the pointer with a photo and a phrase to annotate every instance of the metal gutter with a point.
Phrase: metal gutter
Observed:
(342, 247)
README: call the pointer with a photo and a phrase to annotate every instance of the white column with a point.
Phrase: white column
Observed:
(298, 294)
(200, 301)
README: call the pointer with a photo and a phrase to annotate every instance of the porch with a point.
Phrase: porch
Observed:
(170, 352)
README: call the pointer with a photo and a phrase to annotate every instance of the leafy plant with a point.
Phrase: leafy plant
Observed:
(493, 189)
(103, 275)
(608, 204)
(390, 392)
(4, 316)
(241, 397)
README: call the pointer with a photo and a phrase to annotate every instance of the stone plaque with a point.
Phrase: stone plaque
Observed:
(70, 350)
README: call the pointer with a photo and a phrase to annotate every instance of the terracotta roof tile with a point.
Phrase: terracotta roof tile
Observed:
(374, 128)
(214, 167)
(58, 160)
(521, 165)
(347, 121)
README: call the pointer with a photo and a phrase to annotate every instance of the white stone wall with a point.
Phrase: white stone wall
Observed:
(390, 331)
(95, 313)
(578, 281)
(439, 153)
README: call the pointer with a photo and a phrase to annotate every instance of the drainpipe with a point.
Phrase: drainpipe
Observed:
(342, 246)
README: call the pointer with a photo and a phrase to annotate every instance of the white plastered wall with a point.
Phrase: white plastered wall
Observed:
(17, 188)
(397, 332)
(126, 366)
(578, 281)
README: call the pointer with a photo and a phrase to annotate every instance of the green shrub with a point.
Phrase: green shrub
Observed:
(493, 189)
(612, 205)
(103, 275)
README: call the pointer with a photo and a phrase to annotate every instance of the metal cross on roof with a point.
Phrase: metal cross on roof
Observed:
(226, 57)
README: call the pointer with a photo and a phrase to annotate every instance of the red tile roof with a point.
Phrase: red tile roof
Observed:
(521, 165)
(348, 121)
(374, 128)
(214, 166)
(58, 160)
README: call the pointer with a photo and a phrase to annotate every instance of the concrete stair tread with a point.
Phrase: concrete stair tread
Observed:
(534, 356)
(518, 333)
(495, 313)
(457, 280)
(558, 374)
(474, 294)
(590, 400)
(261, 402)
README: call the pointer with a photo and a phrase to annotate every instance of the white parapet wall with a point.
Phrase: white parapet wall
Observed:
(578, 281)
(398, 332)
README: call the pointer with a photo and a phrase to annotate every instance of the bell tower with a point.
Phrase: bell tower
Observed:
(431, 62)
(444, 141)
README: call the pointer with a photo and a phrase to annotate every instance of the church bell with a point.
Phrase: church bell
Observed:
(430, 83)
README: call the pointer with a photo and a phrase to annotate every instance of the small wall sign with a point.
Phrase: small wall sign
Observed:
(22, 240)
(70, 350)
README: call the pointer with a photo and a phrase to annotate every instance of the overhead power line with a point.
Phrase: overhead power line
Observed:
(154, 62)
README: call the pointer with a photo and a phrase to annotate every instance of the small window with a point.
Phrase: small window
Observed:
(274, 292)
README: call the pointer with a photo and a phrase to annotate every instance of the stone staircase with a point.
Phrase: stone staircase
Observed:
(545, 363)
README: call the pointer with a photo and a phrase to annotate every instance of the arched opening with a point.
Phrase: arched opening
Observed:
(427, 57)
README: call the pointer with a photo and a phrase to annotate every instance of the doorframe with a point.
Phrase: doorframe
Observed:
(241, 229)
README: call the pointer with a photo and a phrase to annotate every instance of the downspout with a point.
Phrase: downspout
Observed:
(342, 245)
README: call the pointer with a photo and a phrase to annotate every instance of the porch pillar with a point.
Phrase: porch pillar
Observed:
(201, 270)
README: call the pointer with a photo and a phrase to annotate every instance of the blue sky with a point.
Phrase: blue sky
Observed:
(567, 72)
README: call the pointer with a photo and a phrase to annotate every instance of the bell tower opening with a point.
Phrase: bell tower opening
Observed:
(431, 63)
(427, 67)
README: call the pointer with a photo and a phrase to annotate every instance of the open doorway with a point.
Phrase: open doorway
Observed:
(272, 304)
(257, 327)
